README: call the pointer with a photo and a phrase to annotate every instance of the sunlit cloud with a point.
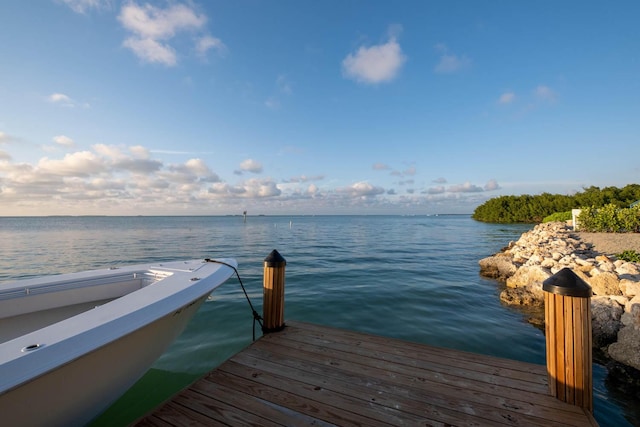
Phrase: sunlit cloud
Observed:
(251, 165)
(153, 28)
(151, 50)
(63, 140)
(375, 64)
(491, 185)
(361, 189)
(65, 101)
(253, 188)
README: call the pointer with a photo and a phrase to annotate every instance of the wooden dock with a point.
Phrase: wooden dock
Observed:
(315, 375)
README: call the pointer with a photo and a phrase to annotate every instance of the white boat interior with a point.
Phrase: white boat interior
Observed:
(75, 342)
(30, 307)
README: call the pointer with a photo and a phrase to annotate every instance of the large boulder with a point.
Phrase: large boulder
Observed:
(499, 266)
(627, 349)
(605, 320)
(629, 288)
(631, 316)
(530, 277)
(520, 296)
(605, 283)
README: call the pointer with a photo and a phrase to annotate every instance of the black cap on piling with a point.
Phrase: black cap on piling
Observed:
(566, 282)
(274, 259)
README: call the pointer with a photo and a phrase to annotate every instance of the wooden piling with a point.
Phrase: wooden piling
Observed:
(567, 300)
(273, 292)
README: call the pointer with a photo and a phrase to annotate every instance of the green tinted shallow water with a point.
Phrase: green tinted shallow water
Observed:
(414, 278)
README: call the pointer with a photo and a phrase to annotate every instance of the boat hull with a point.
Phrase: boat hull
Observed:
(84, 363)
(75, 393)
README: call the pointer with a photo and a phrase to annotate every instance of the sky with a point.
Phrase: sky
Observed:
(298, 107)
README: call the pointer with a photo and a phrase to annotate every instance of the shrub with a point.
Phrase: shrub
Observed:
(558, 216)
(610, 219)
(629, 256)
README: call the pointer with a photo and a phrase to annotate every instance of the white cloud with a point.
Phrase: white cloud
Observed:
(261, 188)
(151, 50)
(380, 167)
(152, 22)
(4, 156)
(206, 43)
(63, 140)
(81, 163)
(545, 93)
(82, 6)
(467, 187)
(253, 188)
(375, 64)
(140, 152)
(65, 101)
(450, 62)
(251, 165)
(61, 99)
(361, 189)
(491, 185)
(153, 28)
(440, 180)
(507, 98)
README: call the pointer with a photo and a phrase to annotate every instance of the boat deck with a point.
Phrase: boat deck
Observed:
(315, 375)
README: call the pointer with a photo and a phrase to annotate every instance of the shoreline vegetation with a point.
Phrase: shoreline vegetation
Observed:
(523, 265)
(533, 209)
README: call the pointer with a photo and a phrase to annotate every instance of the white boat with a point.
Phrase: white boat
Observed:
(71, 344)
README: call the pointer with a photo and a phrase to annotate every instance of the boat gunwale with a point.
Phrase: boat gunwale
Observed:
(62, 342)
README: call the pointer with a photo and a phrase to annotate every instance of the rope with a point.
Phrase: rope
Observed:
(256, 316)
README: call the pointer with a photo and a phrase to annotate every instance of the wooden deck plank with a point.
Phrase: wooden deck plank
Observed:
(414, 387)
(415, 359)
(364, 339)
(428, 404)
(315, 375)
(270, 411)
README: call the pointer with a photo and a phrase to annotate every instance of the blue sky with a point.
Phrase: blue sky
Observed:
(312, 107)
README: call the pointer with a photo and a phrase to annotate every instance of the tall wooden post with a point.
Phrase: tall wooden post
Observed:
(273, 298)
(567, 305)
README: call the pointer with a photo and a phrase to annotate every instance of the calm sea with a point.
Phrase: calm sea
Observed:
(409, 277)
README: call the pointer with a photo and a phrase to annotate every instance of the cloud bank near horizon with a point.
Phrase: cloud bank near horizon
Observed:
(112, 180)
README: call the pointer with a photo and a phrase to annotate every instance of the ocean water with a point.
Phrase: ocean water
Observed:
(409, 277)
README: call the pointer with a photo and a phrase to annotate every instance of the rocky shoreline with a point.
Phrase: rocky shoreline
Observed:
(548, 248)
